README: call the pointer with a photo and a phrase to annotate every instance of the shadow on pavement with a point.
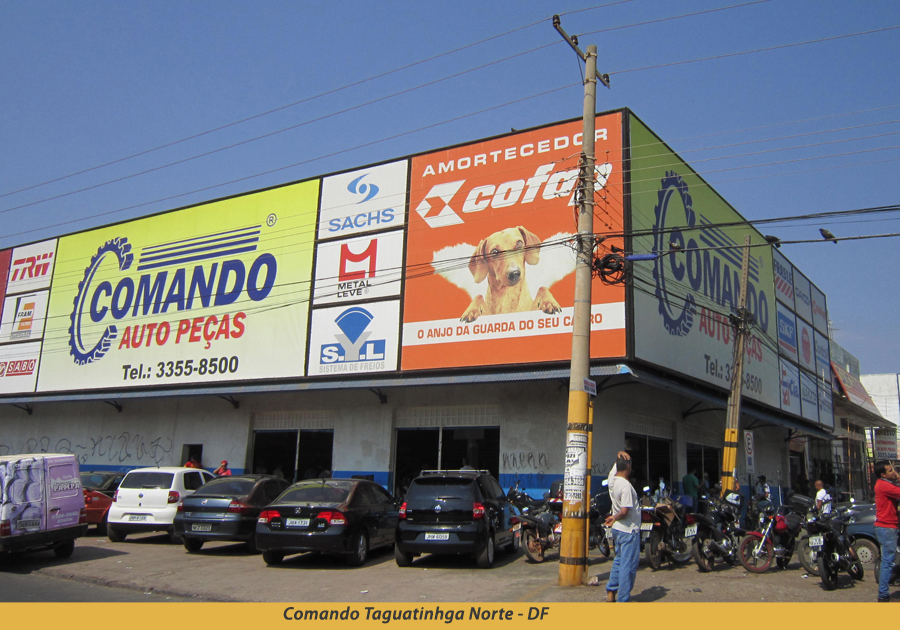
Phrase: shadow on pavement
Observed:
(325, 562)
(30, 562)
(652, 594)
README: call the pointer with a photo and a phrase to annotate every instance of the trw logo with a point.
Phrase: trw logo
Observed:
(437, 211)
(31, 267)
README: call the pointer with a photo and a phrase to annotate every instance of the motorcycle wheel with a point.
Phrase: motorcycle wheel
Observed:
(828, 571)
(732, 558)
(654, 555)
(532, 545)
(749, 559)
(856, 570)
(703, 556)
(808, 558)
(679, 558)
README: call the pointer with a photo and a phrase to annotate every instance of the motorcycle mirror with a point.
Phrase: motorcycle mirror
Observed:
(646, 488)
(605, 482)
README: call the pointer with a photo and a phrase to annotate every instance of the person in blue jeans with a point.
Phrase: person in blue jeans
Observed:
(625, 521)
(887, 496)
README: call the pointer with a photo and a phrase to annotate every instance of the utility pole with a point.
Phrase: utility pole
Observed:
(729, 457)
(573, 548)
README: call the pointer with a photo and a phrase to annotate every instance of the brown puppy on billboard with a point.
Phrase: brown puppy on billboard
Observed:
(501, 259)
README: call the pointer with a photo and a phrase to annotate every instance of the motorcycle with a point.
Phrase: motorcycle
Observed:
(718, 533)
(600, 536)
(539, 522)
(776, 538)
(833, 549)
(667, 530)
(866, 549)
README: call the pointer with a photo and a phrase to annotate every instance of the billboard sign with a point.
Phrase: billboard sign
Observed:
(802, 296)
(354, 339)
(214, 292)
(823, 357)
(784, 279)
(787, 333)
(683, 299)
(5, 257)
(19, 367)
(363, 201)
(31, 267)
(490, 275)
(885, 444)
(855, 391)
(806, 345)
(826, 405)
(360, 268)
(809, 397)
(23, 317)
(790, 387)
(820, 310)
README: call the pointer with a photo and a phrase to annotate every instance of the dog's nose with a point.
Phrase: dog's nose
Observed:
(513, 276)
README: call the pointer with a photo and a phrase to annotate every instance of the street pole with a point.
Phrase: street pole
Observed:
(573, 554)
(729, 457)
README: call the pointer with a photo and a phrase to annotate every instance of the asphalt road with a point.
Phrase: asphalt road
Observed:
(103, 571)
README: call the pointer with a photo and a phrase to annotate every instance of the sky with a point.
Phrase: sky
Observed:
(788, 131)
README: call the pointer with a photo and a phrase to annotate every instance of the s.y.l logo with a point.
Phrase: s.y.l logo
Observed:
(354, 344)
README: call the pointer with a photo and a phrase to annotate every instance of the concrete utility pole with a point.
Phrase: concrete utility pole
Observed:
(729, 457)
(573, 547)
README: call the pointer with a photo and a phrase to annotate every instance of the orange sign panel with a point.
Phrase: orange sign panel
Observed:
(490, 275)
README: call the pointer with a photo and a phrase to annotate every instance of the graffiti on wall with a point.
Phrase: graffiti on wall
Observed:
(115, 448)
(527, 461)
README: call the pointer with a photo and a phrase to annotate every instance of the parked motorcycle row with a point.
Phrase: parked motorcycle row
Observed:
(827, 544)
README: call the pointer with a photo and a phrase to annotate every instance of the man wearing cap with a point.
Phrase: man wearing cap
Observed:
(222, 470)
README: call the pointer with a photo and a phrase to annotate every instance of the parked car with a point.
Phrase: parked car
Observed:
(226, 509)
(99, 488)
(454, 511)
(41, 503)
(347, 517)
(148, 499)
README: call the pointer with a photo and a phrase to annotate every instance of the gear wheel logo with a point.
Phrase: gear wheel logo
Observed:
(677, 318)
(121, 249)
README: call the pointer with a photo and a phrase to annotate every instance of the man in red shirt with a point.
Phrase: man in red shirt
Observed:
(887, 496)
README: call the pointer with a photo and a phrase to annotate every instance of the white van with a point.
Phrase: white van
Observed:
(148, 499)
(41, 503)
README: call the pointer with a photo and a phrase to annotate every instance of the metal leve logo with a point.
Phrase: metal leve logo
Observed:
(353, 344)
(358, 187)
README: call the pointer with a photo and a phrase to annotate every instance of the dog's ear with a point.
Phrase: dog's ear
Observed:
(532, 246)
(478, 264)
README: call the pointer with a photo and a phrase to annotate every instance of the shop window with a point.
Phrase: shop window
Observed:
(652, 461)
(705, 459)
(447, 448)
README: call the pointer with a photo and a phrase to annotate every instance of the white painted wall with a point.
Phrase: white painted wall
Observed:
(885, 393)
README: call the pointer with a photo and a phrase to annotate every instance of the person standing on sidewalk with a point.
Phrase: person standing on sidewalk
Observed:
(887, 496)
(690, 485)
(625, 521)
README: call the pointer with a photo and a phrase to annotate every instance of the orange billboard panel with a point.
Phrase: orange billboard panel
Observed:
(490, 276)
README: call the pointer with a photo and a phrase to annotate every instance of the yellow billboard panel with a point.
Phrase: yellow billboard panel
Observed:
(217, 292)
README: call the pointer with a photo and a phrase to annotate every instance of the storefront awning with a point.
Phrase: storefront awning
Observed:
(854, 403)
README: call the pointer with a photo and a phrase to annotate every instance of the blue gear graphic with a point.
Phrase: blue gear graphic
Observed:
(681, 325)
(121, 249)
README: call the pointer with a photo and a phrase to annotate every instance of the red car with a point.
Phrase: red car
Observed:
(99, 488)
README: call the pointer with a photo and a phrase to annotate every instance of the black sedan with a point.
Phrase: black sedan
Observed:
(226, 509)
(345, 517)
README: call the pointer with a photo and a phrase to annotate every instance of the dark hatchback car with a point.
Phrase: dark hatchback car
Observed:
(454, 511)
(226, 508)
(347, 517)
(99, 489)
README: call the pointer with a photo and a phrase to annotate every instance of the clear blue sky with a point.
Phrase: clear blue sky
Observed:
(86, 83)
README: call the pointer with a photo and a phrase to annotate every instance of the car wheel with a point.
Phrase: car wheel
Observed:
(485, 557)
(513, 546)
(102, 526)
(251, 544)
(64, 550)
(193, 544)
(174, 537)
(114, 534)
(361, 551)
(866, 551)
(272, 558)
(402, 559)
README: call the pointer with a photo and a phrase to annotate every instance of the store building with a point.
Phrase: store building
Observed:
(415, 314)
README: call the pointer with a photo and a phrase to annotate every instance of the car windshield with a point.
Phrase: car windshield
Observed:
(446, 487)
(96, 480)
(226, 487)
(316, 492)
(148, 480)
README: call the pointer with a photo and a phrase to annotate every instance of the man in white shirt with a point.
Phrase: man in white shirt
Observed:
(625, 521)
(762, 489)
(823, 499)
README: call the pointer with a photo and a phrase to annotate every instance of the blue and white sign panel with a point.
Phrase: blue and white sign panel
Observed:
(809, 397)
(787, 332)
(364, 200)
(823, 358)
(354, 339)
(802, 296)
(806, 345)
(826, 409)
(790, 387)
(820, 311)
(784, 279)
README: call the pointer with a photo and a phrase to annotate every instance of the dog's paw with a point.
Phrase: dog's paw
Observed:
(470, 315)
(546, 302)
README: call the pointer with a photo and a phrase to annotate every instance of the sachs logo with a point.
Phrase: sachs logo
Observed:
(366, 191)
(175, 280)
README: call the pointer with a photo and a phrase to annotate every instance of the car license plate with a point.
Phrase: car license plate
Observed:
(29, 524)
(430, 536)
(137, 517)
(297, 522)
(690, 531)
(516, 527)
(196, 527)
(646, 527)
(816, 541)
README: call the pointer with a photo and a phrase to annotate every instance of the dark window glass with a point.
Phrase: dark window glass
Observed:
(316, 492)
(192, 480)
(148, 480)
(426, 488)
(224, 487)
(381, 496)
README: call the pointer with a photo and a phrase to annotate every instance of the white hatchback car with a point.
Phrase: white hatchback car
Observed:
(148, 499)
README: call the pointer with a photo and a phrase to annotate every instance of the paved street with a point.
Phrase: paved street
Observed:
(225, 572)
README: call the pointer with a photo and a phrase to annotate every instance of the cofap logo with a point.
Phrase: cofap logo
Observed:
(354, 343)
(436, 209)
